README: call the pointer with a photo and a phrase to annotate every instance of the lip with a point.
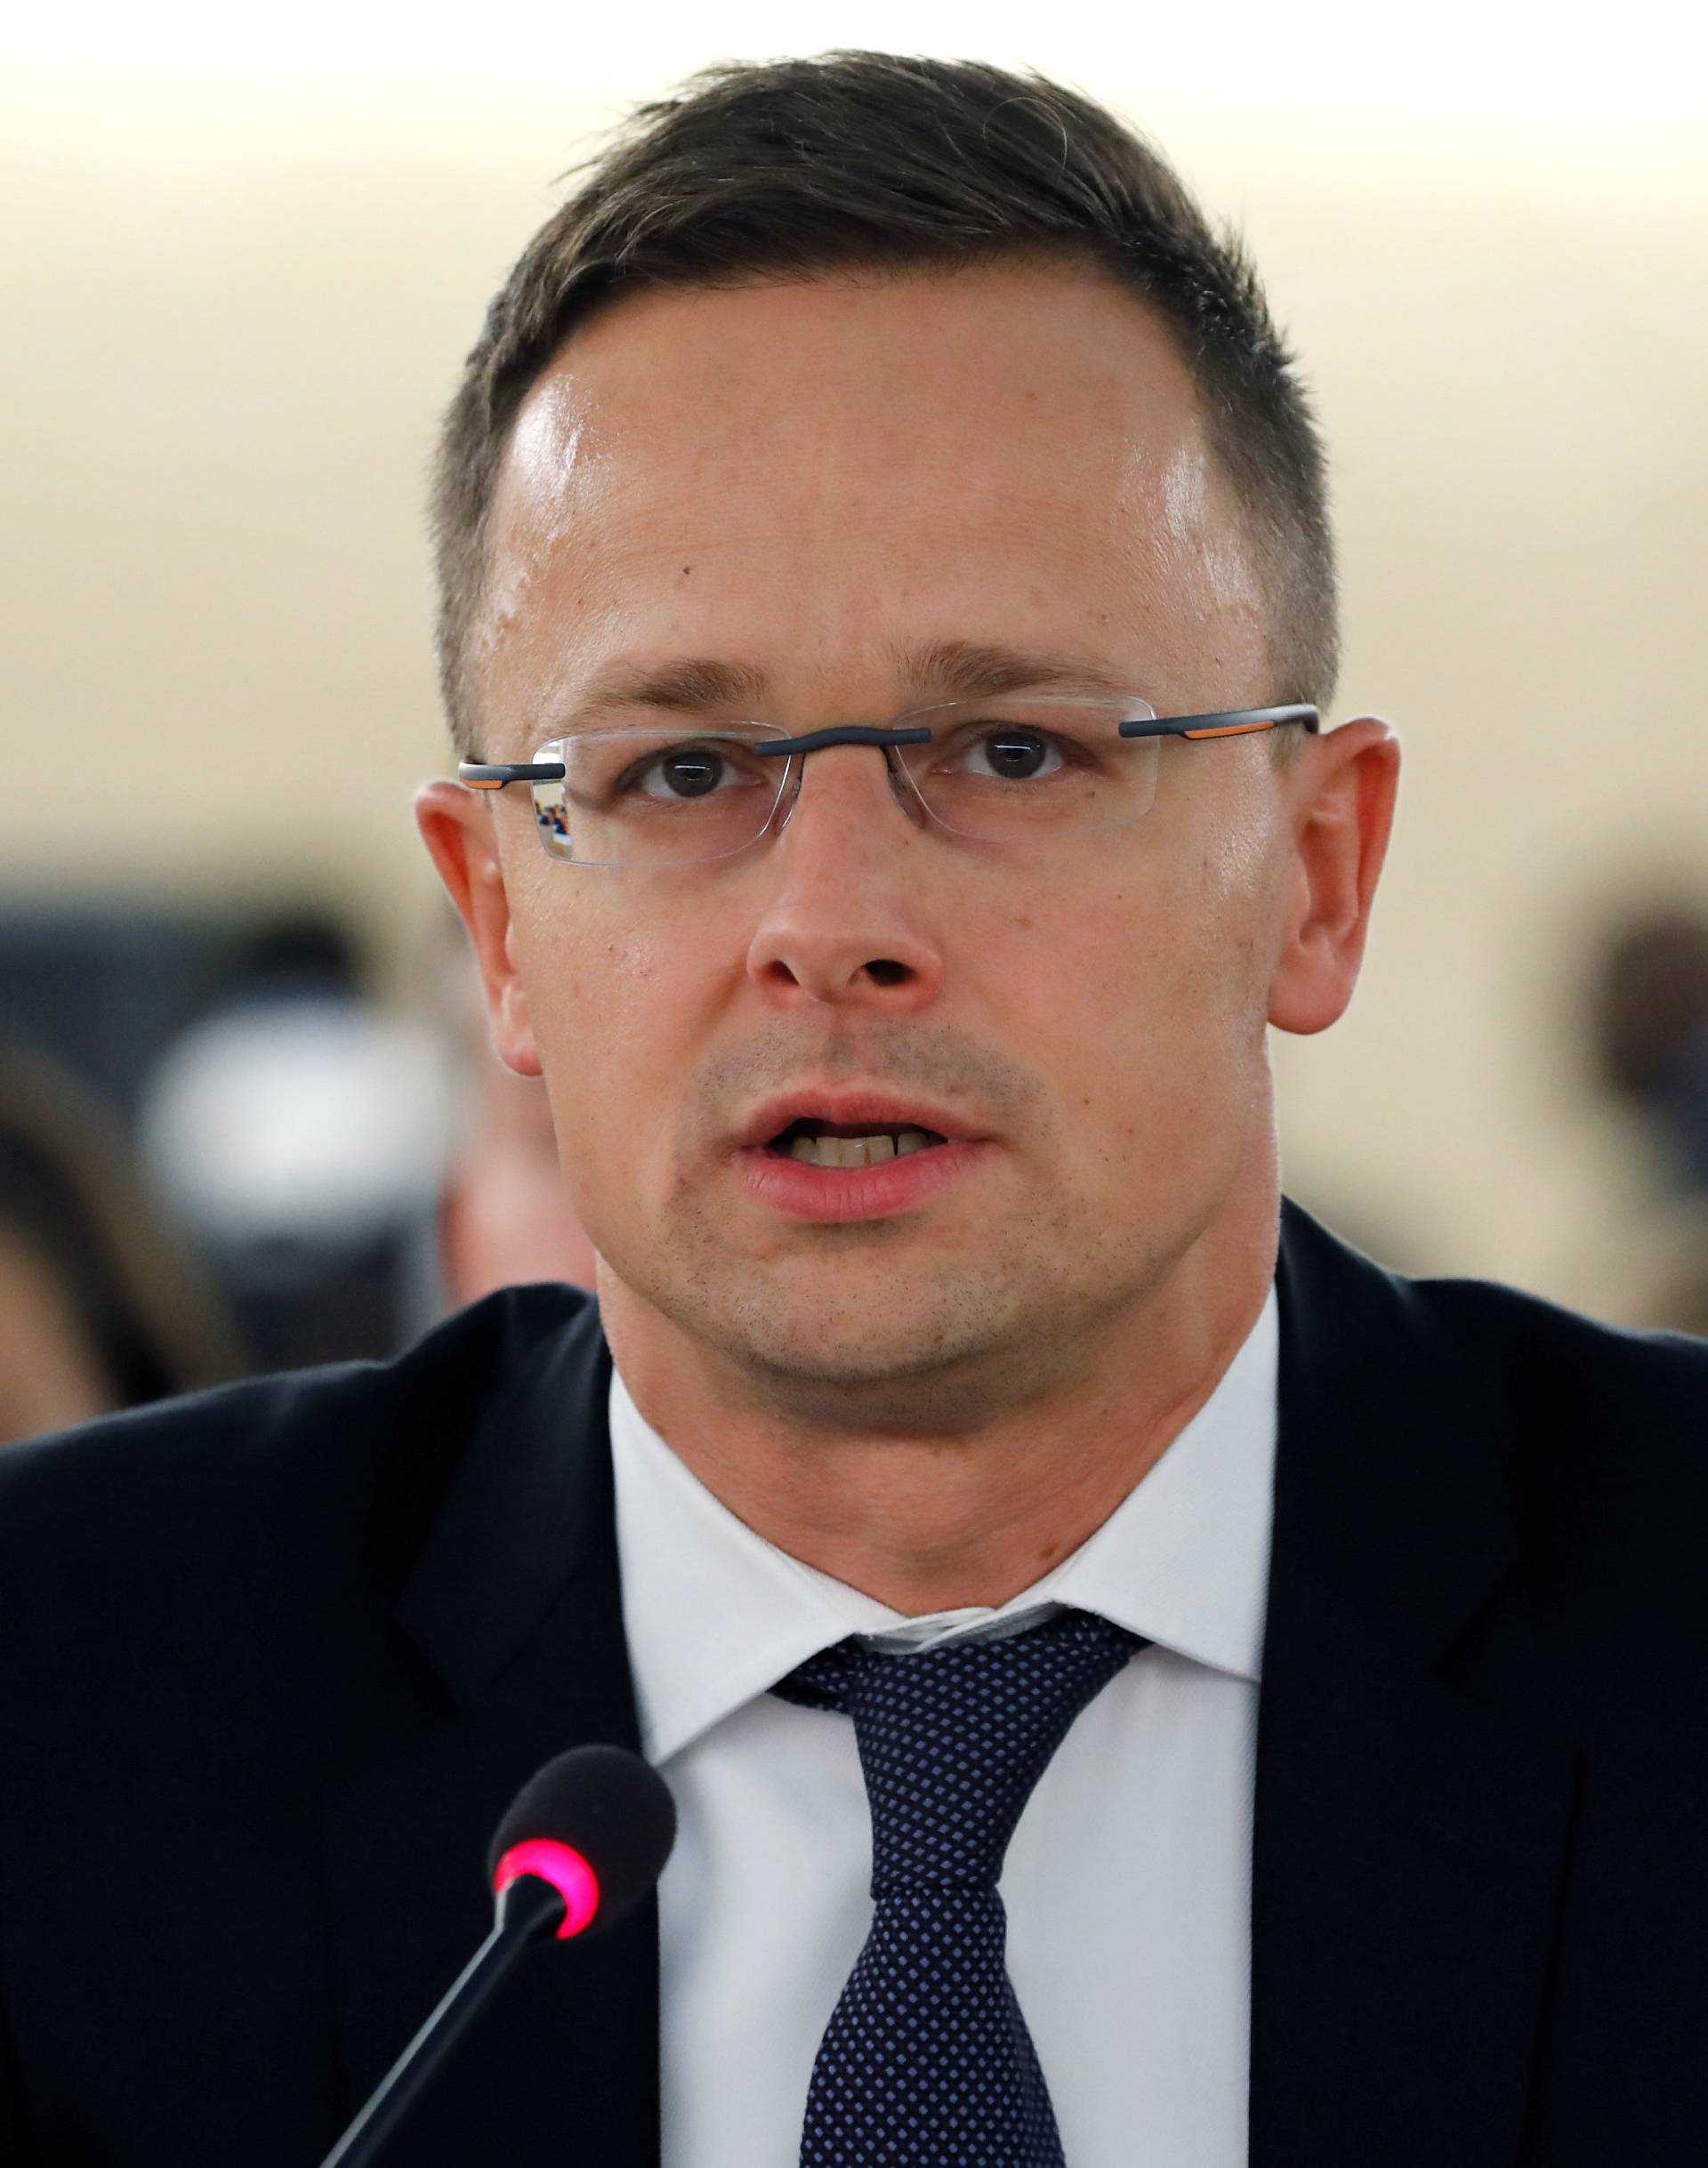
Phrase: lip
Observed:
(847, 1109)
(801, 1192)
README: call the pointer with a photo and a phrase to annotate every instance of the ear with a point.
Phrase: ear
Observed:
(455, 825)
(1341, 789)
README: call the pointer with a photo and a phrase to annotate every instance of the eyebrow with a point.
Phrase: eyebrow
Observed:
(945, 669)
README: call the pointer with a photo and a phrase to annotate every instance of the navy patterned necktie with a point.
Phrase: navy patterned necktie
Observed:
(927, 2059)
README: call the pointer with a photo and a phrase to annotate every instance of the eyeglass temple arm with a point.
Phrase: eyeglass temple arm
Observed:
(1236, 722)
(492, 775)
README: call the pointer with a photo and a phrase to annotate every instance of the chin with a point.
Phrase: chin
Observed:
(921, 1351)
(939, 1396)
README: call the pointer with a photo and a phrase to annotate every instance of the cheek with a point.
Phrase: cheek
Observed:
(1090, 992)
(1237, 861)
(618, 1002)
(1151, 1012)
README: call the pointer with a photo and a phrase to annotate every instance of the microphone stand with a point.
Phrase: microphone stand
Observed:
(528, 1908)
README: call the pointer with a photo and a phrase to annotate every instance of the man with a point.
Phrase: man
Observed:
(1130, 1693)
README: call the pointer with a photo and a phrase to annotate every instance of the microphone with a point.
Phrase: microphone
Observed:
(581, 1844)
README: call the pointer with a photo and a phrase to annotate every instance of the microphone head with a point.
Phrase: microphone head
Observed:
(598, 1824)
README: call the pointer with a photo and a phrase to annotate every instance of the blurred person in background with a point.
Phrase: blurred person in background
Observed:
(1646, 1018)
(505, 1217)
(1650, 1027)
(100, 1305)
(1138, 1679)
(298, 1130)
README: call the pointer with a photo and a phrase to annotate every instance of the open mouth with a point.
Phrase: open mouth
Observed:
(850, 1144)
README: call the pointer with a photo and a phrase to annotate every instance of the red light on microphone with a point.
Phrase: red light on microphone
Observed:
(564, 1868)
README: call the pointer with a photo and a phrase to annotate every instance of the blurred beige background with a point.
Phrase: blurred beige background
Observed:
(237, 293)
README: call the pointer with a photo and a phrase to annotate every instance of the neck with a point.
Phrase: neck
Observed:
(928, 1522)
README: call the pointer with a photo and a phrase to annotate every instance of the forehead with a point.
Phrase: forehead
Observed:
(808, 478)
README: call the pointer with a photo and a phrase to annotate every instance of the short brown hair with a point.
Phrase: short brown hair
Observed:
(790, 169)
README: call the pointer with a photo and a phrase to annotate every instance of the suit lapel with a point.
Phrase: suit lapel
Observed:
(1408, 1841)
(513, 1627)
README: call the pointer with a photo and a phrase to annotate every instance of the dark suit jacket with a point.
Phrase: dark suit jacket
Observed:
(273, 1660)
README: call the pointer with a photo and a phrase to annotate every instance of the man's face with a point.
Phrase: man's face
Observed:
(815, 482)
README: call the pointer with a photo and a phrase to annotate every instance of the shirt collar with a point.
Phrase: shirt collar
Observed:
(715, 1615)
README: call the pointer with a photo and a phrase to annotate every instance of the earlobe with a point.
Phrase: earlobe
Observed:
(1346, 785)
(456, 827)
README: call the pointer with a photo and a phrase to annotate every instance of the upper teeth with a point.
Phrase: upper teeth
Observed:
(857, 1151)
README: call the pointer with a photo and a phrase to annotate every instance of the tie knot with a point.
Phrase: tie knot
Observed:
(952, 1739)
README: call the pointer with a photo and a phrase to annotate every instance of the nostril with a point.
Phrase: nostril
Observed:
(886, 971)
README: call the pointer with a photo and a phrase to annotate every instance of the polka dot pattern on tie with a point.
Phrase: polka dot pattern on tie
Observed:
(927, 2060)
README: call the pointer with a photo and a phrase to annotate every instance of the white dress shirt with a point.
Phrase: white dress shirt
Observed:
(1128, 1881)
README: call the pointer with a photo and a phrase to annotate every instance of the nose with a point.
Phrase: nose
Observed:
(845, 914)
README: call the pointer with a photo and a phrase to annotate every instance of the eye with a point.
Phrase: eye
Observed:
(1009, 754)
(685, 771)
